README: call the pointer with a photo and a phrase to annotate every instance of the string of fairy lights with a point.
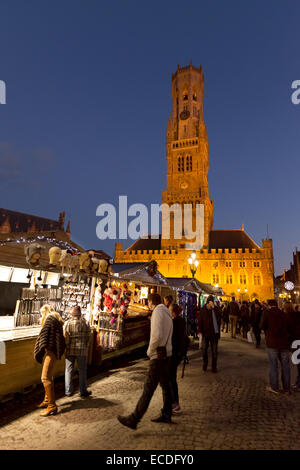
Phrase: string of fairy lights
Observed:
(40, 238)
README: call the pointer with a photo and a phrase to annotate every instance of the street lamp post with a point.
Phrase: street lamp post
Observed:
(193, 262)
(242, 293)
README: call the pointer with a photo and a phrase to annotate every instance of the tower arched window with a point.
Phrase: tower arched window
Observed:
(189, 163)
(195, 96)
(257, 279)
(185, 95)
(180, 162)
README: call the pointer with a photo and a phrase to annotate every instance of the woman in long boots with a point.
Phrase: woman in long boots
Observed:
(49, 347)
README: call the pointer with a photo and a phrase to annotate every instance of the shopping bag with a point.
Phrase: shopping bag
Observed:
(250, 337)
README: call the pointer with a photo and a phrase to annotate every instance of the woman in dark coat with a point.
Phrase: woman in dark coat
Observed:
(49, 347)
(179, 344)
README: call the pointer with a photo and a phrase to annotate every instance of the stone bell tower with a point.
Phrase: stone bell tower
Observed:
(187, 151)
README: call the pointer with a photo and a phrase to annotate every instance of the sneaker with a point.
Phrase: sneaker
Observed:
(270, 389)
(86, 394)
(128, 421)
(177, 410)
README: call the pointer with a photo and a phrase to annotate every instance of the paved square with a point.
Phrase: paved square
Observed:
(227, 410)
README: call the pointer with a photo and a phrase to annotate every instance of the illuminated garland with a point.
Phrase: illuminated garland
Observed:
(53, 241)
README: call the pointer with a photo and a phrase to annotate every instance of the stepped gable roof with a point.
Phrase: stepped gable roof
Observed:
(231, 239)
(14, 222)
(146, 244)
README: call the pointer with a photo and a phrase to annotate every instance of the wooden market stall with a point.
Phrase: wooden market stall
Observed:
(26, 285)
(120, 311)
(191, 294)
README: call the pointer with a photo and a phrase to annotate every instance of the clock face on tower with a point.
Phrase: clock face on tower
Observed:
(184, 115)
(184, 185)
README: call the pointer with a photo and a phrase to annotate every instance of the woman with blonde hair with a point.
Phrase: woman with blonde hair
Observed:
(49, 347)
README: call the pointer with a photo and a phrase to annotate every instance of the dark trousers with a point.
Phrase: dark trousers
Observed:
(158, 373)
(225, 324)
(256, 331)
(245, 327)
(175, 361)
(213, 342)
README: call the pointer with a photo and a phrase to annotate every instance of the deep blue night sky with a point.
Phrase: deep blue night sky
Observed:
(89, 94)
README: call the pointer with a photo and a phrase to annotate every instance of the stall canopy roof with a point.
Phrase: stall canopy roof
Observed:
(12, 250)
(187, 284)
(193, 285)
(139, 272)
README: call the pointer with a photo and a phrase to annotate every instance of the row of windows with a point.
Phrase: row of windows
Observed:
(242, 264)
(185, 163)
(242, 279)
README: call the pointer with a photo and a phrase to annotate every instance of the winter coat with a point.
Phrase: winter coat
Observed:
(234, 309)
(277, 328)
(294, 319)
(161, 331)
(205, 323)
(255, 316)
(180, 338)
(51, 337)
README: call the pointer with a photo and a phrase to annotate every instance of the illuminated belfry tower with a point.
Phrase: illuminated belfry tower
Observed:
(187, 151)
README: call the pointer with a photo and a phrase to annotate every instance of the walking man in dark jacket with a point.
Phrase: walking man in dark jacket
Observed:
(277, 331)
(209, 328)
(234, 313)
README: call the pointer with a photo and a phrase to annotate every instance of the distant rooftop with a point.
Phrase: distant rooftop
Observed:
(18, 222)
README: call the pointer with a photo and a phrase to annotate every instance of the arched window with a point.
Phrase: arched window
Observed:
(243, 279)
(180, 162)
(189, 163)
(257, 279)
(229, 278)
(195, 96)
(185, 95)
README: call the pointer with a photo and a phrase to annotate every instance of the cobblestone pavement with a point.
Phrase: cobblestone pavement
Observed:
(227, 410)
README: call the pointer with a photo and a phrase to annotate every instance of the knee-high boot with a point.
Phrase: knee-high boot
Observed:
(51, 408)
(44, 403)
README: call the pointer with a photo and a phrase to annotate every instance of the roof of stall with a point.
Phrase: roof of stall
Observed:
(193, 285)
(139, 272)
(12, 249)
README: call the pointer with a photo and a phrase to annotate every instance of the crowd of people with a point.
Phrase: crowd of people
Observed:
(168, 347)
(281, 327)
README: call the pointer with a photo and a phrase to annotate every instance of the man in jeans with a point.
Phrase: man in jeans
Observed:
(209, 324)
(159, 368)
(277, 328)
(77, 335)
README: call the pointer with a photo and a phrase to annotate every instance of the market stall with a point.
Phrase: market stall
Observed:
(34, 271)
(191, 295)
(120, 310)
